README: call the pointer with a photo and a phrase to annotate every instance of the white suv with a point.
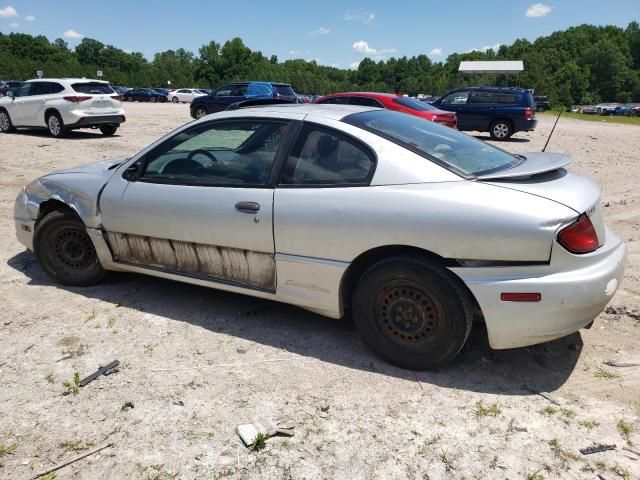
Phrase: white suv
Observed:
(62, 104)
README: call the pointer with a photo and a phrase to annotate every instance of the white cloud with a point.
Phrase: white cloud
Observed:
(538, 10)
(495, 48)
(14, 25)
(320, 31)
(127, 50)
(8, 12)
(362, 16)
(363, 47)
(72, 34)
(30, 18)
(354, 65)
(436, 52)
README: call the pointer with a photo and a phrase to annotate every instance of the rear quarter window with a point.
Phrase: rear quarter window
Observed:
(509, 98)
(284, 90)
(93, 88)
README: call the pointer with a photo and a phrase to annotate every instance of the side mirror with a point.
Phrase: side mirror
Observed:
(133, 171)
(10, 94)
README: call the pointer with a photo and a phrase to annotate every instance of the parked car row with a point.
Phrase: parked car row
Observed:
(609, 109)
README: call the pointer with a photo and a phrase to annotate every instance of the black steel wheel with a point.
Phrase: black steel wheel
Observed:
(412, 312)
(65, 250)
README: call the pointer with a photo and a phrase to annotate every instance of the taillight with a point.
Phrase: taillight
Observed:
(580, 236)
(116, 97)
(529, 114)
(76, 98)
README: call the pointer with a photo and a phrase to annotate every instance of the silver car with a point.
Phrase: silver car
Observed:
(414, 228)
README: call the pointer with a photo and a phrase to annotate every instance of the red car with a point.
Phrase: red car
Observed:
(393, 102)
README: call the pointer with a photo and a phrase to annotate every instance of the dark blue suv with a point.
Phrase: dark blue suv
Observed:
(499, 111)
(236, 92)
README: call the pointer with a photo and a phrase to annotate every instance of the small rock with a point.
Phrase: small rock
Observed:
(127, 406)
(241, 350)
(606, 204)
(180, 403)
(199, 456)
(520, 429)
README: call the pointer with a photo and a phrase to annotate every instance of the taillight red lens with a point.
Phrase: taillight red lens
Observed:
(580, 236)
(520, 297)
(76, 98)
(529, 114)
(116, 97)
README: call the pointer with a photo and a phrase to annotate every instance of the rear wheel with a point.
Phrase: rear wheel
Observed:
(501, 130)
(412, 312)
(65, 250)
(200, 112)
(5, 122)
(108, 130)
(175, 100)
(55, 125)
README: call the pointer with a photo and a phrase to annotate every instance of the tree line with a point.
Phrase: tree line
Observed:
(581, 65)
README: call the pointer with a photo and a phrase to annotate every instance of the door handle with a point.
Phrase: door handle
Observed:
(247, 207)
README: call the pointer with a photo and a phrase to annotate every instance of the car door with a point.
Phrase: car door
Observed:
(20, 105)
(200, 203)
(481, 109)
(457, 102)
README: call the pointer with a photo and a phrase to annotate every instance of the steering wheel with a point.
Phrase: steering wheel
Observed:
(206, 153)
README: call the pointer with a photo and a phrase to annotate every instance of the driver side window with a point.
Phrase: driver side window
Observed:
(24, 90)
(230, 153)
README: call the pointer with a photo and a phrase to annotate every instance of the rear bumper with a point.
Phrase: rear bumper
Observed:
(89, 121)
(572, 296)
(526, 125)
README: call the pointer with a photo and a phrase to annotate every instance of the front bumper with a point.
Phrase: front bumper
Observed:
(575, 289)
(25, 225)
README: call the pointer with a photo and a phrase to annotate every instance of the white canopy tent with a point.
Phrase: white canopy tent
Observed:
(495, 67)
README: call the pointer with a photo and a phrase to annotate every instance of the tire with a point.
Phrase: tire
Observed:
(200, 112)
(412, 312)
(5, 122)
(175, 100)
(153, 99)
(501, 130)
(109, 130)
(65, 250)
(55, 125)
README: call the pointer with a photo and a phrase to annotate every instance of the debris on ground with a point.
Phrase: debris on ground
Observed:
(127, 406)
(623, 363)
(623, 310)
(597, 448)
(68, 462)
(101, 371)
(264, 427)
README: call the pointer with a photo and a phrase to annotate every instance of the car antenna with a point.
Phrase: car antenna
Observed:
(554, 127)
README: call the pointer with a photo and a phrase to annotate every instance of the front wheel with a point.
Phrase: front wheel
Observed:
(175, 100)
(5, 122)
(108, 130)
(501, 130)
(412, 312)
(65, 250)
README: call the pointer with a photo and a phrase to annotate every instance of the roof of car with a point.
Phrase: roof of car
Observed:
(334, 112)
(363, 94)
(71, 80)
(493, 89)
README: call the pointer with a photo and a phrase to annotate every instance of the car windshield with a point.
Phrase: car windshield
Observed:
(93, 88)
(456, 151)
(414, 104)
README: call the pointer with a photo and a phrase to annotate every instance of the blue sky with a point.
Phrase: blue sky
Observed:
(332, 32)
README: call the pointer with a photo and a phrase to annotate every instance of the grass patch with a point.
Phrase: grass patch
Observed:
(447, 460)
(260, 442)
(589, 424)
(562, 454)
(625, 429)
(596, 118)
(534, 476)
(7, 451)
(73, 386)
(605, 374)
(481, 410)
(75, 447)
(549, 410)
(621, 472)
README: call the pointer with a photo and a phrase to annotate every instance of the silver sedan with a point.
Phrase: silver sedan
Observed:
(414, 228)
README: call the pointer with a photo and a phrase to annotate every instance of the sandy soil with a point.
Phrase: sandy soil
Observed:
(355, 416)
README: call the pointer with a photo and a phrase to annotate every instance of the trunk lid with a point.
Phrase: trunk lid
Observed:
(544, 175)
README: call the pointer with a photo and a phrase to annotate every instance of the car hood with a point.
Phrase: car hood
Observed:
(103, 166)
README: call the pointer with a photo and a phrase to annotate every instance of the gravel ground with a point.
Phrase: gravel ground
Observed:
(355, 416)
